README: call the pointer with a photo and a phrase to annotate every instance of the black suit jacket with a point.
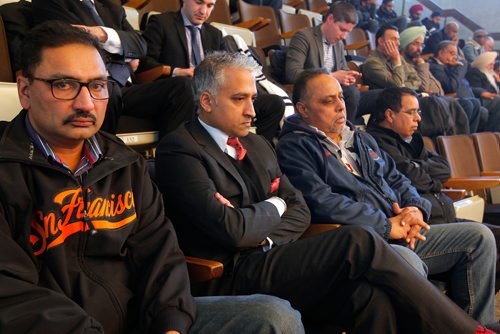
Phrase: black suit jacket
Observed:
(113, 16)
(191, 168)
(165, 35)
(480, 82)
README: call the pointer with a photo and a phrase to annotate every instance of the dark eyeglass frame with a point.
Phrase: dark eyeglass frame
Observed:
(109, 86)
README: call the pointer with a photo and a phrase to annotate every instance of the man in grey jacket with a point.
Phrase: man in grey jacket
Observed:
(322, 46)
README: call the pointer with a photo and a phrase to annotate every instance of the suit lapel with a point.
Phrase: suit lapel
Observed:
(260, 175)
(104, 13)
(205, 140)
(181, 32)
(318, 39)
(205, 40)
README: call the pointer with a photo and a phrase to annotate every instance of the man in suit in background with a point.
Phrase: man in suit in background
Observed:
(167, 103)
(322, 46)
(179, 42)
(230, 202)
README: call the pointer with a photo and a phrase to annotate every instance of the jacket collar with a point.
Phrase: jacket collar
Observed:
(16, 145)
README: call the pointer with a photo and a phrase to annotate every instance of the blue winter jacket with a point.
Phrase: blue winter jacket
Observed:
(335, 195)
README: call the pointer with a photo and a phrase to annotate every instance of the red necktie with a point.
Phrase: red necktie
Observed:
(240, 150)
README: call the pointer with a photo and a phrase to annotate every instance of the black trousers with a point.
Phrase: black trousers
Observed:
(168, 102)
(351, 277)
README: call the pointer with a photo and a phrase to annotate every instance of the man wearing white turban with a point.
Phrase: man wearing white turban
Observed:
(481, 75)
(411, 45)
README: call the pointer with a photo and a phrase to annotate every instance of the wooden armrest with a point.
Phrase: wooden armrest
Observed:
(254, 24)
(137, 4)
(294, 3)
(362, 88)
(315, 229)
(455, 194)
(473, 183)
(491, 173)
(321, 10)
(289, 34)
(451, 94)
(202, 270)
(152, 74)
(356, 45)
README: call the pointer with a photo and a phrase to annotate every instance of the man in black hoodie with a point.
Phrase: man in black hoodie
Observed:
(85, 243)
(399, 137)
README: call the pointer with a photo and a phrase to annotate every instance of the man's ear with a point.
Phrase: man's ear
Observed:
(23, 90)
(206, 102)
(389, 116)
(301, 110)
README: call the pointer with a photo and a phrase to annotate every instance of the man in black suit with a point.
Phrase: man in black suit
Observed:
(230, 202)
(171, 44)
(168, 102)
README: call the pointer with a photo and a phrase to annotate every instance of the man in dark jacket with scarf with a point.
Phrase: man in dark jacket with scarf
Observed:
(85, 244)
(345, 178)
(398, 136)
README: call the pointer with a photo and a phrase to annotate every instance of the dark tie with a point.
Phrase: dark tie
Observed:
(240, 150)
(195, 47)
(91, 7)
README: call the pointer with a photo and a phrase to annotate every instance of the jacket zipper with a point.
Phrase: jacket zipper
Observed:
(83, 246)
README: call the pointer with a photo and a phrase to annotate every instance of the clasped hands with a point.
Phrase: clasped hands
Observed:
(407, 224)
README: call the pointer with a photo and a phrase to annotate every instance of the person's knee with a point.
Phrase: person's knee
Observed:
(277, 314)
(486, 236)
(412, 258)
(255, 314)
(478, 237)
(359, 234)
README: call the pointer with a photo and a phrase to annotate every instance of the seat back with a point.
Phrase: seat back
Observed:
(359, 35)
(10, 101)
(488, 150)
(293, 22)
(318, 6)
(316, 18)
(227, 29)
(429, 144)
(5, 66)
(267, 36)
(160, 6)
(132, 17)
(3, 2)
(461, 154)
(220, 13)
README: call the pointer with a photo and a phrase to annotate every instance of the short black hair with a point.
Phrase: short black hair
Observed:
(342, 12)
(386, 1)
(436, 13)
(389, 98)
(299, 88)
(496, 66)
(51, 34)
(381, 31)
(442, 45)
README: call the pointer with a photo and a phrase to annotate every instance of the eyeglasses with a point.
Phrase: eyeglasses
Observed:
(68, 89)
(412, 113)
